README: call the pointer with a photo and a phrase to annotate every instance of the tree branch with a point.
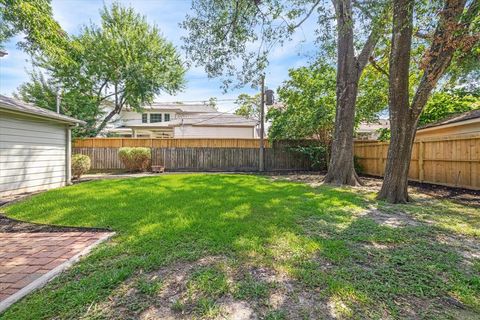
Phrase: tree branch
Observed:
(367, 50)
(377, 67)
(449, 29)
(307, 16)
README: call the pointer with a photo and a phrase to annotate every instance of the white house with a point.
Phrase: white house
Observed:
(370, 131)
(35, 147)
(167, 120)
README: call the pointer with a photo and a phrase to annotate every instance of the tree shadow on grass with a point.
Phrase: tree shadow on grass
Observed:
(164, 219)
(318, 236)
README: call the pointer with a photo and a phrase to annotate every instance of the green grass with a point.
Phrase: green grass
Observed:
(318, 237)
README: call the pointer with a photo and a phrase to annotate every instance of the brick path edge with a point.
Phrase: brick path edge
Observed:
(43, 280)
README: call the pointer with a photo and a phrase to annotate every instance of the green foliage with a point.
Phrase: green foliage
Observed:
(123, 62)
(233, 39)
(318, 155)
(248, 106)
(34, 18)
(136, 158)
(80, 165)
(446, 103)
(307, 104)
(384, 134)
(308, 101)
(357, 165)
(73, 102)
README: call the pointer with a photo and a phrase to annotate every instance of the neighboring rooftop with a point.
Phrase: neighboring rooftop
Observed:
(205, 119)
(182, 107)
(469, 115)
(373, 126)
(15, 105)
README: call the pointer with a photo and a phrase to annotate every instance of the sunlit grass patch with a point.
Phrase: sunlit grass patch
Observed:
(198, 246)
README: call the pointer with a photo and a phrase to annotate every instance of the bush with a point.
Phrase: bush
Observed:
(135, 159)
(317, 155)
(80, 165)
(357, 165)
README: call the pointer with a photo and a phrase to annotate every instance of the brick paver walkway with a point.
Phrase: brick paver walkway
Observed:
(26, 257)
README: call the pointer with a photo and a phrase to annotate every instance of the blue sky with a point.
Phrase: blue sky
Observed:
(166, 14)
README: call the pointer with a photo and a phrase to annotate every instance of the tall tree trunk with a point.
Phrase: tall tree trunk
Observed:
(395, 185)
(404, 116)
(341, 170)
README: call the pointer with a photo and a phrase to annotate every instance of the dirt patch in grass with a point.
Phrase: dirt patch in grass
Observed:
(213, 287)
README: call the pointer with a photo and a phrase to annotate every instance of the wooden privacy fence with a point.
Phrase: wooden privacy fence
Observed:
(167, 143)
(449, 161)
(204, 159)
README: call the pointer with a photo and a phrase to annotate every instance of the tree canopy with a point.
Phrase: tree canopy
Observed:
(248, 106)
(308, 102)
(34, 18)
(123, 62)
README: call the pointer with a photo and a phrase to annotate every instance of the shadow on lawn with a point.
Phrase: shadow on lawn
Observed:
(316, 235)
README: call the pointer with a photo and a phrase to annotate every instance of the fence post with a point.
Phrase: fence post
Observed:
(421, 151)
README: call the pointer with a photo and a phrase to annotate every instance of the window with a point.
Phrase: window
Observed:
(155, 117)
(166, 117)
(144, 118)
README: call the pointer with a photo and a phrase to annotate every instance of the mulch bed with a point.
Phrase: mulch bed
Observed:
(458, 195)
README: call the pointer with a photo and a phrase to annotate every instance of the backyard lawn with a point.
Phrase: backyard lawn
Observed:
(216, 245)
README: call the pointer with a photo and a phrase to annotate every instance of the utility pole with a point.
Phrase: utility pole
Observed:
(58, 99)
(262, 124)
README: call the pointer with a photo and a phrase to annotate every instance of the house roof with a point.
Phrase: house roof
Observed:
(206, 119)
(181, 107)
(15, 105)
(469, 115)
(374, 126)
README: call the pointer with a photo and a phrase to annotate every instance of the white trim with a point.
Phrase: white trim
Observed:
(449, 125)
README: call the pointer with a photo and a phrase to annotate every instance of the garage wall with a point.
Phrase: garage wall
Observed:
(32, 154)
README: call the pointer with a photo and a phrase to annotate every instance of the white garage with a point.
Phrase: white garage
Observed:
(35, 147)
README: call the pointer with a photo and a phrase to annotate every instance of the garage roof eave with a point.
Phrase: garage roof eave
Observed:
(19, 107)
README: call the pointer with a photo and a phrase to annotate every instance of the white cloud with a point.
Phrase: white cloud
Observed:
(167, 14)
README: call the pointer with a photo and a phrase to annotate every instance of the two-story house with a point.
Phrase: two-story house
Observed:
(167, 120)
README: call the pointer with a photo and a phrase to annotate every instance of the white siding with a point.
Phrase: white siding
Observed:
(32, 154)
(213, 132)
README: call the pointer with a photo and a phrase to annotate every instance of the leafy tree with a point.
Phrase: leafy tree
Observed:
(223, 35)
(308, 102)
(123, 62)
(307, 105)
(446, 103)
(43, 93)
(34, 18)
(248, 106)
(213, 103)
(452, 28)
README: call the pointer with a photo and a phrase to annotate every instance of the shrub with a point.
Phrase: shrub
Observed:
(135, 159)
(357, 165)
(80, 165)
(317, 155)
